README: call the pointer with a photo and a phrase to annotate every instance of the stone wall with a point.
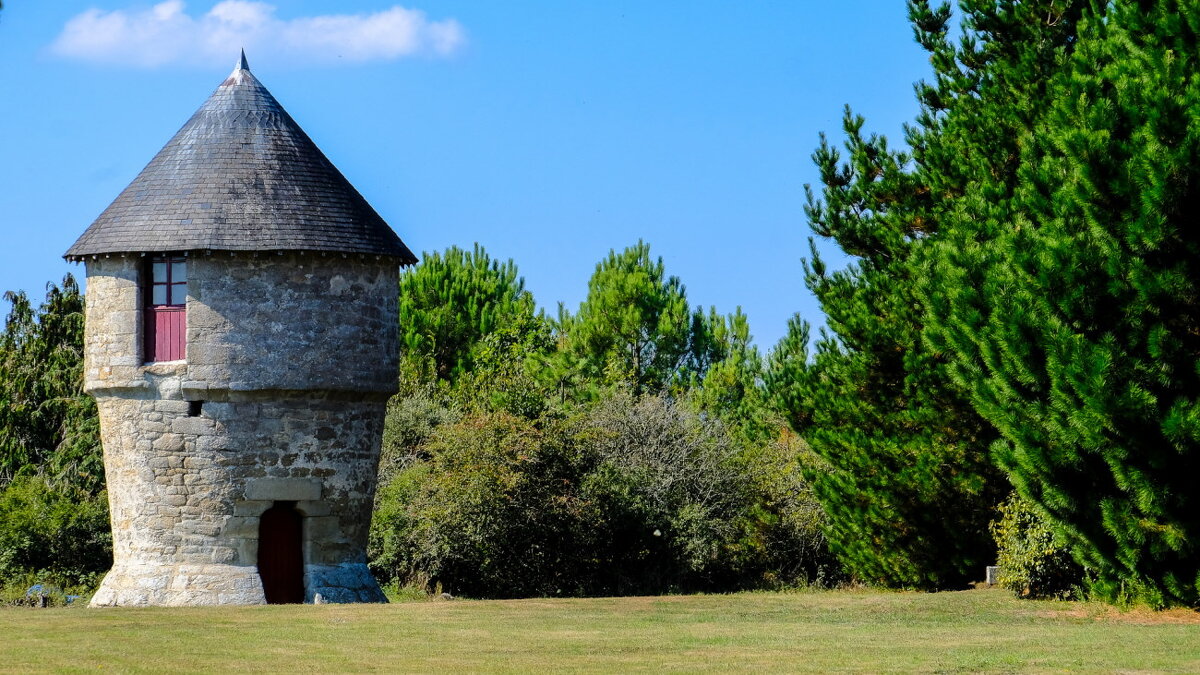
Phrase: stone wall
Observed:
(293, 322)
(255, 322)
(281, 398)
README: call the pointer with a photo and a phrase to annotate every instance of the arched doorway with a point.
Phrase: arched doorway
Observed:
(280, 556)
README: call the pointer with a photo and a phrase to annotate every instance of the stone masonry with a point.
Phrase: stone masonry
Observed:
(290, 360)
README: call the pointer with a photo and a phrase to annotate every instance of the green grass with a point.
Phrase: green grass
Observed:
(985, 630)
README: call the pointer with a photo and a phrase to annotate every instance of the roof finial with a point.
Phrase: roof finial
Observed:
(241, 64)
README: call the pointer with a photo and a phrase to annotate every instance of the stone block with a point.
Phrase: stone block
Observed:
(194, 390)
(323, 529)
(196, 462)
(993, 574)
(283, 489)
(168, 443)
(313, 509)
(208, 444)
(196, 426)
(240, 527)
(179, 407)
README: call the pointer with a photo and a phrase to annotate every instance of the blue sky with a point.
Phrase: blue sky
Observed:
(550, 132)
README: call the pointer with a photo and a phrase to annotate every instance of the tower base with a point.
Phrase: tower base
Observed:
(179, 585)
(141, 585)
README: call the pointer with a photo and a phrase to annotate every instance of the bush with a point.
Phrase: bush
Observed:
(490, 514)
(787, 545)
(55, 530)
(631, 495)
(412, 417)
(32, 589)
(1033, 560)
(689, 487)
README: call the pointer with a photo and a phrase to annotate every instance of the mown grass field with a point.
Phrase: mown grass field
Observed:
(871, 631)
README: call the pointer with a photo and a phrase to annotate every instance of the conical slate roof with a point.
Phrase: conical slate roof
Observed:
(240, 176)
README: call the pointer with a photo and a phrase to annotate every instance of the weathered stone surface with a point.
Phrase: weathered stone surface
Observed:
(347, 582)
(293, 383)
(284, 489)
(266, 322)
(993, 574)
(179, 585)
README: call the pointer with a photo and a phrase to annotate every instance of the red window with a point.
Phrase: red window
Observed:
(166, 308)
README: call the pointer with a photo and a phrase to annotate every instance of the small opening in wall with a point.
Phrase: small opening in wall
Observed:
(194, 408)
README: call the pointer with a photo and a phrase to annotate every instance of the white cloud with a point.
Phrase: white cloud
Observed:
(167, 34)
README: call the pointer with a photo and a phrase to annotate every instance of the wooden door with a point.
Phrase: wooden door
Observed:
(280, 554)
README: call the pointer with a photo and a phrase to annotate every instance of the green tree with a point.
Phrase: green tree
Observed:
(1073, 313)
(732, 388)
(47, 424)
(55, 529)
(906, 482)
(507, 372)
(449, 301)
(909, 487)
(635, 326)
(626, 495)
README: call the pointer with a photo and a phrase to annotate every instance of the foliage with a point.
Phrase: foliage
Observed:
(487, 515)
(450, 300)
(669, 490)
(733, 388)
(906, 482)
(629, 495)
(556, 463)
(507, 373)
(53, 529)
(47, 424)
(635, 326)
(885, 398)
(410, 421)
(1034, 561)
(1073, 312)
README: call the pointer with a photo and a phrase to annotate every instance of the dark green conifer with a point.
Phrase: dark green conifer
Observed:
(907, 482)
(635, 326)
(1073, 302)
(450, 300)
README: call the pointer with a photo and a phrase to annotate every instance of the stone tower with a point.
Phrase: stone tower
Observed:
(241, 343)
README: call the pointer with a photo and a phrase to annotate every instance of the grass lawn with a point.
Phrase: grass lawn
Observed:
(983, 630)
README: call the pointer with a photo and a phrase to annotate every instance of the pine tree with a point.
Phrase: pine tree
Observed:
(907, 482)
(1073, 309)
(450, 300)
(732, 388)
(635, 326)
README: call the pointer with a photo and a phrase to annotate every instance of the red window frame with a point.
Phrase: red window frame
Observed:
(165, 290)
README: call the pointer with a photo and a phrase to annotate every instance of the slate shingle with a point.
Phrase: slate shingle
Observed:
(241, 175)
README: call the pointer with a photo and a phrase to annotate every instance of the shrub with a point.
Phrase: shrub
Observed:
(411, 419)
(631, 495)
(676, 474)
(1033, 560)
(58, 530)
(489, 514)
(786, 538)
